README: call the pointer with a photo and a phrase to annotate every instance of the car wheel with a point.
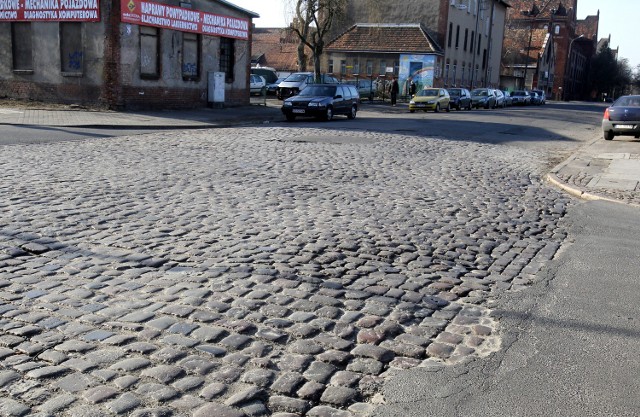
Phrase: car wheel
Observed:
(352, 113)
(412, 111)
(469, 107)
(328, 114)
(448, 109)
(608, 135)
(437, 110)
(290, 117)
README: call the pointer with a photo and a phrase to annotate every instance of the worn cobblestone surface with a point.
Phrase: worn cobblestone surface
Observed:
(251, 272)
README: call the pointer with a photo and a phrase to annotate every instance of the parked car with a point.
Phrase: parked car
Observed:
(430, 99)
(269, 74)
(508, 101)
(500, 102)
(273, 87)
(257, 85)
(365, 87)
(535, 98)
(542, 96)
(622, 118)
(323, 101)
(297, 81)
(521, 97)
(460, 98)
(483, 97)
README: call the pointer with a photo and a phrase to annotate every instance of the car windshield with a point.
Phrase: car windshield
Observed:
(628, 101)
(454, 92)
(318, 91)
(479, 93)
(429, 92)
(296, 77)
(518, 93)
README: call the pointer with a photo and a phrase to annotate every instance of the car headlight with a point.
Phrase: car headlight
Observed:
(288, 104)
(412, 102)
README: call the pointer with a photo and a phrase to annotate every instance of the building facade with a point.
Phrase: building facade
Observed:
(125, 53)
(468, 32)
(575, 42)
(378, 51)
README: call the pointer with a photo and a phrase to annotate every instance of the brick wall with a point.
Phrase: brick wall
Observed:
(53, 93)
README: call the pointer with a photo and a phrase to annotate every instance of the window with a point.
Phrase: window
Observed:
(473, 38)
(190, 56)
(557, 30)
(446, 75)
(369, 68)
(343, 67)
(71, 47)
(383, 67)
(450, 34)
(479, 42)
(149, 52)
(356, 67)
(462, 74)
(484, 59)
(466, 37)
(457, 36)
(21, 48)
(227, 58)
(330, 66)
(454, 74)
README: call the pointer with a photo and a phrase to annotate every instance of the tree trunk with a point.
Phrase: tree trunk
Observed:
(302, 58)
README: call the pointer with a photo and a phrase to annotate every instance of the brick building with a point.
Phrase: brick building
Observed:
(537, 65)
(276, 48)
(574, 44)
(126, 53)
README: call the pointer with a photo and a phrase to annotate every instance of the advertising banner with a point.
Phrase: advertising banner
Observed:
(147, 13)
(49, 10)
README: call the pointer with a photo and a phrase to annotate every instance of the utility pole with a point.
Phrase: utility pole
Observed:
(489, 44)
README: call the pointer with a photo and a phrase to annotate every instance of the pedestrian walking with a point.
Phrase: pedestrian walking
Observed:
(394, 90)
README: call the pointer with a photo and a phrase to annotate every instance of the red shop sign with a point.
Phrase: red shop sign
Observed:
(147, 13)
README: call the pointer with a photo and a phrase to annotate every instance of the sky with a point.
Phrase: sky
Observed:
(617, 17)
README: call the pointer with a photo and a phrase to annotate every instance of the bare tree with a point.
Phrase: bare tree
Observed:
(312, 23)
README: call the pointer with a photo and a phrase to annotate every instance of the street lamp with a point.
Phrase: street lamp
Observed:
(568, 65)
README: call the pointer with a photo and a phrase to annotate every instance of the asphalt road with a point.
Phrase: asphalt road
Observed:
(569, 343)
(11, 135)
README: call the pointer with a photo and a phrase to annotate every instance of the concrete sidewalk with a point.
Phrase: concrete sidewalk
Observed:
(602, 170)
(162, 119)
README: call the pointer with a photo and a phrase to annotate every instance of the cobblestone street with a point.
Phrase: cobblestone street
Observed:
(256, 271)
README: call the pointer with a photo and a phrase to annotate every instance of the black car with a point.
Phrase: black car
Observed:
(323, 101)
(460, 98)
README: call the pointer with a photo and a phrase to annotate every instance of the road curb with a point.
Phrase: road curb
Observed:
(584, 195)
